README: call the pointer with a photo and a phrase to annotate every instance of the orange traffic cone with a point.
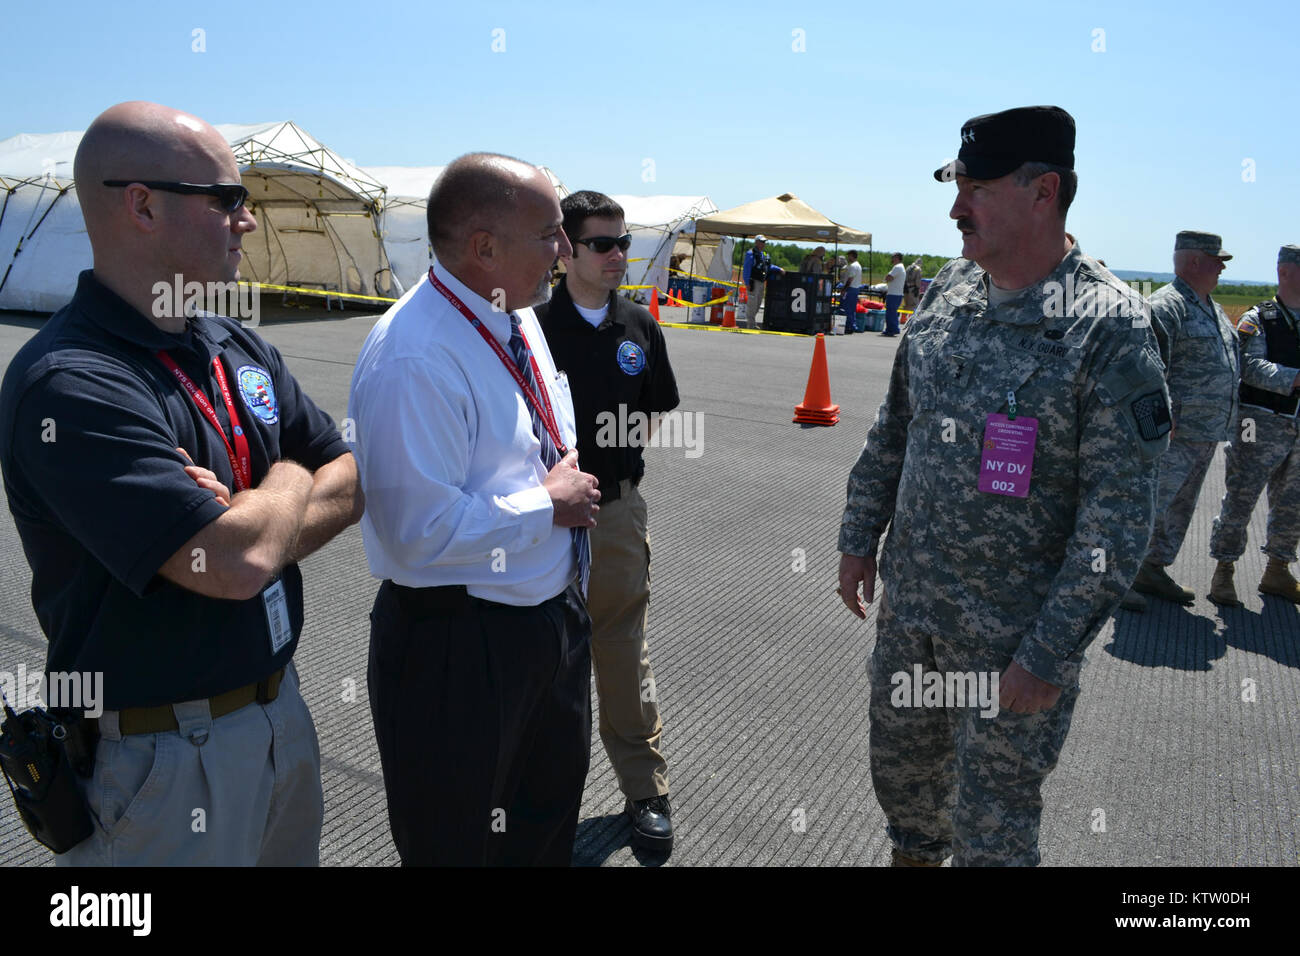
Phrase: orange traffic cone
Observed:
(816, 408)
(729, 317)
(654, 304)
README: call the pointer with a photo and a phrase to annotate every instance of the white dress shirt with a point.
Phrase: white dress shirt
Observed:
(449, 464)
(853, 275)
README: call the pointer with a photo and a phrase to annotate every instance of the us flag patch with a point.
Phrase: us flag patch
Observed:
(1152, 415)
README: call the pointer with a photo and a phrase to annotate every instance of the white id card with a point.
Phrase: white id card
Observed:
(277, 616)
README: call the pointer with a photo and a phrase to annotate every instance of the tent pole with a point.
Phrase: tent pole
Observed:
(694, 267)
(871, 270)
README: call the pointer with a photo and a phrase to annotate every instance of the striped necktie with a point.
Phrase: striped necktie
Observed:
(550, 454)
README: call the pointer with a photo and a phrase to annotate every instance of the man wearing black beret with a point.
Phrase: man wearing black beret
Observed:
(1013, 462)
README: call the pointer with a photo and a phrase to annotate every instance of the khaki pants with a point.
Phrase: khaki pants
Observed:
(618, 596)
(254, 773)
(754, 304)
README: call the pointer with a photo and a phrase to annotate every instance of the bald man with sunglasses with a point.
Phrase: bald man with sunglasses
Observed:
(165, 473)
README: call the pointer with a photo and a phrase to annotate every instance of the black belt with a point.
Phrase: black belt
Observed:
(421, 602)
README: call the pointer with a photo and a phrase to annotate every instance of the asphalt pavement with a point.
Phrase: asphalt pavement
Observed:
(1183, 749)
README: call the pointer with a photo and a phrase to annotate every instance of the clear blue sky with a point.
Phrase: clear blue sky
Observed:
(717, 96)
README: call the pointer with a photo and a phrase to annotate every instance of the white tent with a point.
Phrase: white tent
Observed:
(658, 225)
(404, 228)
(317, 217)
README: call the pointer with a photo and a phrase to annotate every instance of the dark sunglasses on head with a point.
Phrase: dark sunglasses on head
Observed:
(230, 195)
(602, 244)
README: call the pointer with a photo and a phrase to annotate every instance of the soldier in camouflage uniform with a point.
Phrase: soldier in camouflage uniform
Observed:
(1016, 581)
(1199, 347)
(1270, 393)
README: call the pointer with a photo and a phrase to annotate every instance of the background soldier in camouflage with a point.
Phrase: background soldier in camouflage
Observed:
(1027, 325)
(912, 286)
(1199, 347)
(1270, 377)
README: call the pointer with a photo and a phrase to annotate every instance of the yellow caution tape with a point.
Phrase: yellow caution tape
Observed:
(320, 292)
(679, 303)
(718, 328)
(692, 275)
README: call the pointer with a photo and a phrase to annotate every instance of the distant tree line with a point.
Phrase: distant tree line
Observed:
(789, 255)
(1256, 293)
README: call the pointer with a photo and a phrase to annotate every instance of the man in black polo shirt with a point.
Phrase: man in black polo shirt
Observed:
(124, 430)
(614, 355)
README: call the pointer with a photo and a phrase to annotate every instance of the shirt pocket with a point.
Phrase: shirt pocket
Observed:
(926, 363)
(564, 413)
(1203, 341)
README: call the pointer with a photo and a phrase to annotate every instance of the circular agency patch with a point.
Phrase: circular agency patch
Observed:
(258, 391)
(631, 358)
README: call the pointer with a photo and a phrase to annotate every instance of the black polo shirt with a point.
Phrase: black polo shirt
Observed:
(89, 423)
(623, 362)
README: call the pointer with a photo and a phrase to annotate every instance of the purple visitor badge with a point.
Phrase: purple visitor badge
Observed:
(1007, 462)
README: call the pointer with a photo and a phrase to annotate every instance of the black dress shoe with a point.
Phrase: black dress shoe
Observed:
(652, 828)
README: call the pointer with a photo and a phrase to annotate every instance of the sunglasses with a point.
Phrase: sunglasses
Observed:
(230, 195)
(602, 244)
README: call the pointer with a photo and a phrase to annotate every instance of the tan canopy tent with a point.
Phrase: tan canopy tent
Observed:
(781, 217)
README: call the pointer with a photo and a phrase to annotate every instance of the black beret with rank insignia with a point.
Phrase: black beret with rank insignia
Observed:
(996, 144)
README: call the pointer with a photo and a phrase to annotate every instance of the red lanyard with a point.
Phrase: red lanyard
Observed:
(542, 405)
(240, 465)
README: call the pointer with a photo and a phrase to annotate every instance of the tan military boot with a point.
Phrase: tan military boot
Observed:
(1156, 581)
(1222, 590)
(898, 859)
(1277, 580)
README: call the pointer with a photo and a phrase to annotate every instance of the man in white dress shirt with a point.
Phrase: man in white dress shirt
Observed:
(476, 522)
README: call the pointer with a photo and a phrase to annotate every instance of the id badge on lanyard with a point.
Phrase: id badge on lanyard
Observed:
(276, 605)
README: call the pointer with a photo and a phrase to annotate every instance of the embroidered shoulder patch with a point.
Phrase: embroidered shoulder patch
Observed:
(258, 391)
(1152, 415)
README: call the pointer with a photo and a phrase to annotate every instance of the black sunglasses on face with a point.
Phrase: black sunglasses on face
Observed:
(602, 244)
(230, 195)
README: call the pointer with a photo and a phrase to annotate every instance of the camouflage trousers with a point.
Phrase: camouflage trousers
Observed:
(950, 780)
(1182, 471)
(1272, 460)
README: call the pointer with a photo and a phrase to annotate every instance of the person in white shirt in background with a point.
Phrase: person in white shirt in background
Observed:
(849, 288)
(894, 294)
(479, 670)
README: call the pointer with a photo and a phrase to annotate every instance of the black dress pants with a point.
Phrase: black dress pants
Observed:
(482, 712)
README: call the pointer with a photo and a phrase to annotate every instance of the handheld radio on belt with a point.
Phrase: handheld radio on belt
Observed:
(38, 766)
